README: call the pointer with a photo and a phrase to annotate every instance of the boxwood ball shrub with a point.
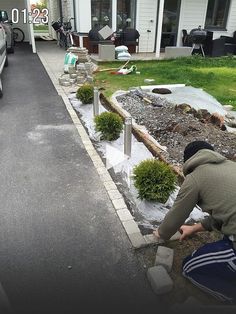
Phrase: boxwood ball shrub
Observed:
(85, 93)
(109, 124)
(154, 180)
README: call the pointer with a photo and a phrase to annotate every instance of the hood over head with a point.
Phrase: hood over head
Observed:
(193, 147)
(203, 156)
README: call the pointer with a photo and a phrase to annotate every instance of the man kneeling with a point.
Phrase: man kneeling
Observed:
(210, 183)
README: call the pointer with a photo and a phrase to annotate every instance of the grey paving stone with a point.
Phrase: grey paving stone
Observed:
(137, 240)
(159, 279)
(114, 194)
(176, 236)
(109, 185)
(124, 214)
(150, 239)
(164, 257)
(118, 203)
(130, 226)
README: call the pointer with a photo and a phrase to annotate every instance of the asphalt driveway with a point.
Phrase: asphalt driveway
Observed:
(62, 247)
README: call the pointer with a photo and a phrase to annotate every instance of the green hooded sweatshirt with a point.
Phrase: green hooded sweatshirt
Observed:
(210, 183)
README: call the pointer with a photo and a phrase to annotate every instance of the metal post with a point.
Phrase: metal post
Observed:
(128, 136)
(95, 102)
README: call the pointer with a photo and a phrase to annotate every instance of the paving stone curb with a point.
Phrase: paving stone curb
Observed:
(136, 238)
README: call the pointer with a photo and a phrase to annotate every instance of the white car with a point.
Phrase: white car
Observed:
(7, 25)
(3, 54)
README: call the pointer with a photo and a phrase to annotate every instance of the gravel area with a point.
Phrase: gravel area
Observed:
(172, 126)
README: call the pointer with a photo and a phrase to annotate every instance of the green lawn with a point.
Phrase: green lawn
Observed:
(40, 28)
(217, 76)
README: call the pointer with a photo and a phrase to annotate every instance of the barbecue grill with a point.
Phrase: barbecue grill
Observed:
(198, 37)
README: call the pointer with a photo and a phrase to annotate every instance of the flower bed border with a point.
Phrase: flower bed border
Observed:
(152, 145)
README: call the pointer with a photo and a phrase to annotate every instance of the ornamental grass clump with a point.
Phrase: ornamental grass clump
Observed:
(154, 180)
(85, 93)
(109, 124)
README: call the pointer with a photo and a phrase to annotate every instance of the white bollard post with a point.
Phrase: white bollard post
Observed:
(128, 136)
(95, 102)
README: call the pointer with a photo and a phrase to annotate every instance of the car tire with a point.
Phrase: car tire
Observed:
(1, 93)
(11, 50)
(6, 62)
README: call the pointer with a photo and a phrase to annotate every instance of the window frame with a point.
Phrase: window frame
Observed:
(223, 27)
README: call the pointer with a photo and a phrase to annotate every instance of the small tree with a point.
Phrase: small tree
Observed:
(109, 124)
(85, 93)
(41, 5)
(154, 180)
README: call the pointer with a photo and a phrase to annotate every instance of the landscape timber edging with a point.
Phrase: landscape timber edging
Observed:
(152, 145)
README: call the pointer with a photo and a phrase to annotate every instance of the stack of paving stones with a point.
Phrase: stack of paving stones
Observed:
(80, 74)
(159, 274)
(81, 53)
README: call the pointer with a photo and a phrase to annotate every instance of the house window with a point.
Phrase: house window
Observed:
(101, 11)
(217, 14)
(126, 13)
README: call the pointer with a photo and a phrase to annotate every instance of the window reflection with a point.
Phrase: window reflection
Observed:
(101, 13)
(217, 13)
(125, 14)
(170, 16)
(170, 23)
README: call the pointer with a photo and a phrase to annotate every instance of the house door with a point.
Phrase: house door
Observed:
(170, 23)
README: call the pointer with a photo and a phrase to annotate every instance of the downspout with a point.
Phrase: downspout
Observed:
(75, 16)
(114, 14)
(31, 28)
(159, 27)
(60, 10)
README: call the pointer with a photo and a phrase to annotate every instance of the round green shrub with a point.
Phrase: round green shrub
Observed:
(85, 93)
(109, 124)
(154, 180)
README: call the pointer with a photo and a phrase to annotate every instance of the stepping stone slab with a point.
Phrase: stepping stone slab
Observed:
(164, 257)
(162, 91)
(159, 279)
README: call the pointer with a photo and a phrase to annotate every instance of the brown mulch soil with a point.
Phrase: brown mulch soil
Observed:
(176, 126)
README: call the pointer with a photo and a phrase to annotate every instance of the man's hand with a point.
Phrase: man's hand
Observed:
(186, 231)
(156, 234)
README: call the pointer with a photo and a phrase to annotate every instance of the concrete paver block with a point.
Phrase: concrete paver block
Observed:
(176, 236)
(98, 164)
(159, 279)
(131, 226)
(109, 185)
(164, 257)
(102, 170)
(137, 240)
(124, 214)
(119, 203)
(150, 238)
(105, 177)
(175, 52)
(114, 194)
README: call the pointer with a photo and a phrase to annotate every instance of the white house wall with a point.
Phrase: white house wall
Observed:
(54, 15)
(67, 9)
(8, 5)
(231, 25)
(83, 15)
(146, 19)
(192, 14)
